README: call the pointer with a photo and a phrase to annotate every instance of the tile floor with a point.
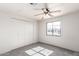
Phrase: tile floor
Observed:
(40, 49)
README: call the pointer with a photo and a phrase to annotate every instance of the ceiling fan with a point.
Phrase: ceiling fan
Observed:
(46, 11)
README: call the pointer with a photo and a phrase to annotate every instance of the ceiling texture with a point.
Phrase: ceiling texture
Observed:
(29, 11)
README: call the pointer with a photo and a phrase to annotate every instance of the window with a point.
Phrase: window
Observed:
(54, 28)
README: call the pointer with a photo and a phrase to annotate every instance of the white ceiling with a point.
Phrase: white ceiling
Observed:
(27, 10)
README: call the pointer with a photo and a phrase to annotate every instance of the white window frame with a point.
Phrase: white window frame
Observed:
(52, 28)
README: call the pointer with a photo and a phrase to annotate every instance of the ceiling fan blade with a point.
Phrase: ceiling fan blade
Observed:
(39, 14)
(42, 18)
(50, 15)
(55, 11)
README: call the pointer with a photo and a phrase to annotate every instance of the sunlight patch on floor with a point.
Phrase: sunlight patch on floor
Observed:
(39, 51)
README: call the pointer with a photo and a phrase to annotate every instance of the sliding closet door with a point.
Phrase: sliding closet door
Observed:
(24, 32)
(14, 33)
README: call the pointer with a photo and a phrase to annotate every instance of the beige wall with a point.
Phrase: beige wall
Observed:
(15, 33)
(70, 32)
